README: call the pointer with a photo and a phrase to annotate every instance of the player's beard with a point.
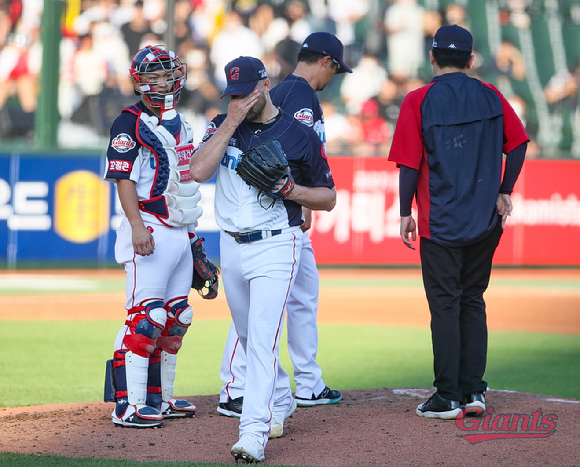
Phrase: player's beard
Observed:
(256, 111)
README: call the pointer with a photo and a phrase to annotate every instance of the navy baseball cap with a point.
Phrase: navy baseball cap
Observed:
(326, 44)
(453, 37)
(243, 73)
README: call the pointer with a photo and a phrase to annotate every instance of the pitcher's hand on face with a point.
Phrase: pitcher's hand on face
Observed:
(143, 241)
(239, 106)
(408, 226)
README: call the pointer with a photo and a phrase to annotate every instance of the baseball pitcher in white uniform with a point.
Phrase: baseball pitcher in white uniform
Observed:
(260, 240)
(320, 58)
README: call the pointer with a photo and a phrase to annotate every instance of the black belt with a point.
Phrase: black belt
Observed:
(249, 237)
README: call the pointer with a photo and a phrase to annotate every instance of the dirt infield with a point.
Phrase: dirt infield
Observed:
(368, 428)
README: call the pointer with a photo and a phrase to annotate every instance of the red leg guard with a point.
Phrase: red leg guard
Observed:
(170, 344)
(140, 344)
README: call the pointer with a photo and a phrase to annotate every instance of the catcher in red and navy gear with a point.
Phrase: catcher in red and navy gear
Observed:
(147, 159)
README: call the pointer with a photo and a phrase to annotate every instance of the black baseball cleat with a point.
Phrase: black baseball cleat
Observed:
(439, 407)
(474, 403)
(178, 408)
(137, 416)
(326, 397)
(231, 408)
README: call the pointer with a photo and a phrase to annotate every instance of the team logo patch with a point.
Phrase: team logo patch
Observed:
(211, 129)
(235, 73)
(305, 116)
(120, 166)
(122, 143)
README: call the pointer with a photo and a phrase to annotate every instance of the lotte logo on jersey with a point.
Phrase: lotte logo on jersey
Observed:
(305, 116)
(122, 143)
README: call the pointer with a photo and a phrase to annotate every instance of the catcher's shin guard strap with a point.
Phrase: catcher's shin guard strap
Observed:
(119, 380)
(145, 327)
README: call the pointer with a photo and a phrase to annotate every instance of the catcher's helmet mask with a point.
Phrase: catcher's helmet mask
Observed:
(158, 76)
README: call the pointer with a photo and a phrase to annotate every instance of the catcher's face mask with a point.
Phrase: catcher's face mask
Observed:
(159, 76)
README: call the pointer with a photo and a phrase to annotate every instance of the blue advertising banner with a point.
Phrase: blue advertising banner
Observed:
(58, 209)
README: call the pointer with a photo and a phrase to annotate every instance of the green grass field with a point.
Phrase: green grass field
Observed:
(62, 362)
(48, 362)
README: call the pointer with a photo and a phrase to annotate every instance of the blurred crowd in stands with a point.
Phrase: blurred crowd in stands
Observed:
(387, 45)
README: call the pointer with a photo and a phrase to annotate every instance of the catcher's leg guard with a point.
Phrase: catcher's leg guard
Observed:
(172, 408)
(131, 367)
(154, 398)
(130, 375)
(145, 327)
(180, 315)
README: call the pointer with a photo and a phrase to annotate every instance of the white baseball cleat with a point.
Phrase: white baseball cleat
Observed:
(278, 417)
(249, 450)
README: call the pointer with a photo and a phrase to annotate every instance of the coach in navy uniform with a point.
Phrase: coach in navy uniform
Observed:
(449, 144)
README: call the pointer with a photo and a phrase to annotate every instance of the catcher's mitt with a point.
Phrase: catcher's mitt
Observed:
(205, 273)
(264, 167)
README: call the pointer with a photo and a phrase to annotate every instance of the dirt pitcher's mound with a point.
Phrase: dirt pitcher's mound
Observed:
(375, 427)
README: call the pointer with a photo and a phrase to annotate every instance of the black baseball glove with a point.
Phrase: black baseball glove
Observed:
(205, 273)
(264, 167)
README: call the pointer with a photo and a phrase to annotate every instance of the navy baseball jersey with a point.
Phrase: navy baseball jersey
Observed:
(297, 97)
(456, 192)
(242, 208)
